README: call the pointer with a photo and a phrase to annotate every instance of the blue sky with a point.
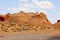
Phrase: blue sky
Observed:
(50, 7)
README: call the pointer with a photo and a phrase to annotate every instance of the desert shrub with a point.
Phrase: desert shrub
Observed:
(12, 24)
(9, 26)
(31, 26)
(25, 28)
(57, 28)
(2, 24)
(33, 29)
(19, 25)
(36, 26)
(18, 29)
(13, 29)
(5, 29)
(23, 25)
(43, 27)
(2, 28)
(49, 27)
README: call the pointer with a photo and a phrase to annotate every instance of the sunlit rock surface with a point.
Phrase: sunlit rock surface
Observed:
(36, 24)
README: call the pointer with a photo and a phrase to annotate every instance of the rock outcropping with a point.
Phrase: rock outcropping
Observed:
(38, 19)
(57, 25)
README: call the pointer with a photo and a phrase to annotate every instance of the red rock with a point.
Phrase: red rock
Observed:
(58, 21)
(2, 18)
(28, 18)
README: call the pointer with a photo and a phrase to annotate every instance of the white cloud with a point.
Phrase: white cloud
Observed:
(47, 5)
(13, 10)
(44, 11)
(24, 1)
(33, 6)
(24, 7)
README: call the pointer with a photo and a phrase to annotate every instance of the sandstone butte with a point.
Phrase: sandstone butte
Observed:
(38, 19)
(30, 18)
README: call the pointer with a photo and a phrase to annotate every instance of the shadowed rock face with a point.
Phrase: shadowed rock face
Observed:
(5, 17)
(2, 18)
(58, 21)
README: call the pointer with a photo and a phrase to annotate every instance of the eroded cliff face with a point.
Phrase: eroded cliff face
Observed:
(38, 19)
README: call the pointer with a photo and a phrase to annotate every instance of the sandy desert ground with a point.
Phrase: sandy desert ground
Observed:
(30, 37)
(52, 35)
